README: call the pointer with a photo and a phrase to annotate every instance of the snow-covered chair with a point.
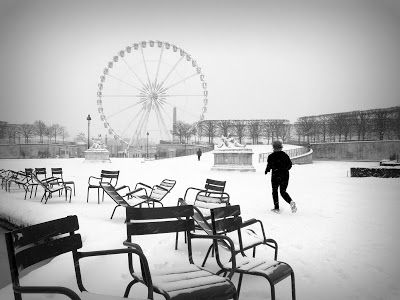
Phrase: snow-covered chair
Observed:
(50, 187)
(58, 173)
(211, 196)
(225, 220)
(186, 280)
(105, 176)
(212, 193)
(114, 194)
(155, 194)
(37, 243)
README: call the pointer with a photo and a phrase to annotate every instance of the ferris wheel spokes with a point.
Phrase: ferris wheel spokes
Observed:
(133, 72)
(172, 69)
(145, 67)
(158, 66)
(180, 81)
(123, 81)
(126, 108)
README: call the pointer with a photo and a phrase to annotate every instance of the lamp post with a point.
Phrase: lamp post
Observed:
(88, 129)
(147, 146)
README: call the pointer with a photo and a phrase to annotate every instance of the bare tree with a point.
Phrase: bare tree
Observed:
(224, 126)
(305, 127)
(381, 123)
(239, 129)
(28, 131)
(210, 130)
(49, 132)
(81, 137)
(11, 132)
(255, 131)
(40, 128)
(64, 133)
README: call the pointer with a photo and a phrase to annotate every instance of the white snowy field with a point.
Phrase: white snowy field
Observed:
(343, 243)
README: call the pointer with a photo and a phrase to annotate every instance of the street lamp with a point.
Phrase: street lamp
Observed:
(88, 129)
(147, 146)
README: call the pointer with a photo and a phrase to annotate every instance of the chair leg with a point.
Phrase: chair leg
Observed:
(128, 288)
(114, 211)
(207, 254)
(293, 286)
(176, 241)
(87, 198)
(239, 284)
(98, 196)
(272, 292)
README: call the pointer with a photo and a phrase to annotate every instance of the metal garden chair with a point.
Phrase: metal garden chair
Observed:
(227, 219)
(189, 281)
(33, 244)
(155, 194)
(105, 176)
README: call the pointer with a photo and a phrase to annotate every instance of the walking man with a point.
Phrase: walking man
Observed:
(199, 154)
(280, 164)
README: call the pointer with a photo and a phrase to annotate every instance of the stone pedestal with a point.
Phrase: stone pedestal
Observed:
(233, 159)
(97, 155)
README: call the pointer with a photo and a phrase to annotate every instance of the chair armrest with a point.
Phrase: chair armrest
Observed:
(135, 249)
(181, 202)
(192, 188)
(47, 290)
(142, 184)
(135, 191)
(221, 238)
(251, 222)
(94, 177)
(132, 245)
(123, 187)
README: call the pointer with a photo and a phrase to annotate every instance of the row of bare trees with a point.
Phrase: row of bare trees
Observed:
(376, 124)
(245, 129)
(37, 132)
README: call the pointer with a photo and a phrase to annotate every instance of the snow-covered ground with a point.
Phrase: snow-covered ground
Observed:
(343, 242)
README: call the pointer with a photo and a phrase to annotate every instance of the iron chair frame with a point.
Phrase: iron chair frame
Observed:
(112, 192)
(105, 176)
(148, 191)
(33, 244)
(227, 219)
(49, 189)
(169, 220)
(58, 173)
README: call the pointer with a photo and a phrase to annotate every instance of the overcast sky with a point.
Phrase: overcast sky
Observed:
(261, 59)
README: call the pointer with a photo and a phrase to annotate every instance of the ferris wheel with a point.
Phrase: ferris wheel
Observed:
(146, 87)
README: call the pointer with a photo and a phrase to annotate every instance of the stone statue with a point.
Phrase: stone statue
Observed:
(97, 143)
(229, 142)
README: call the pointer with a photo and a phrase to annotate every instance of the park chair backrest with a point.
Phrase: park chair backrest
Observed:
(142, 221)
(36, 243)
(215, 185)
(226, 219)
(109, 176)
(28, 171)
(158, 192)
(57, 172)
(41, 171)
